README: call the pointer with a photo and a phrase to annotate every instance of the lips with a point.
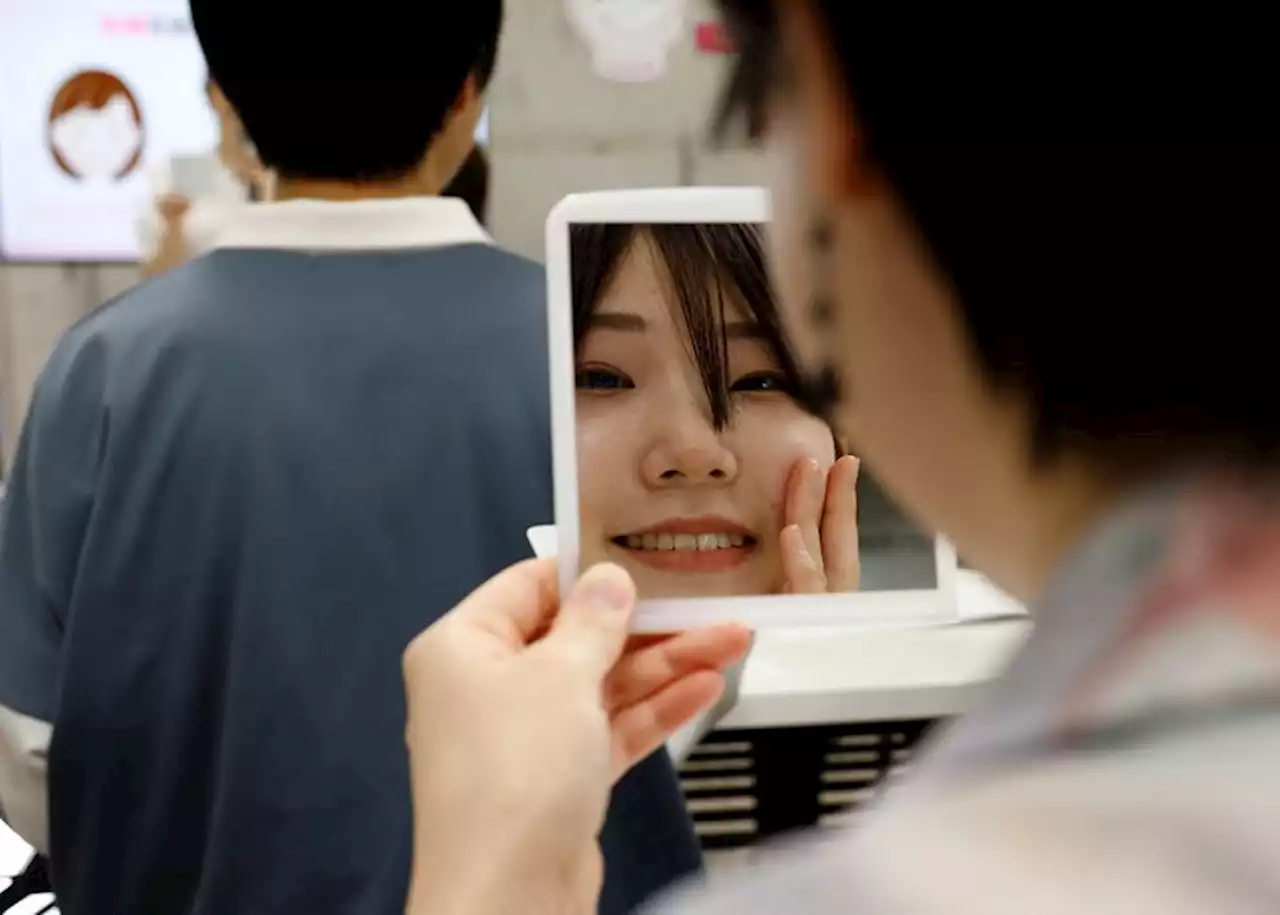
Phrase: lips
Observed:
(703, 544)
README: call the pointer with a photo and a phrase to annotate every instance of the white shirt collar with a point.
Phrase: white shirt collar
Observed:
(359, 225)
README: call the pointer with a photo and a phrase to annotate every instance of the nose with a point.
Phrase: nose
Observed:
(689, 454)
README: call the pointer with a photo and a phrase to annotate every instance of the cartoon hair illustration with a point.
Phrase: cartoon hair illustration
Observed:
(94, 90)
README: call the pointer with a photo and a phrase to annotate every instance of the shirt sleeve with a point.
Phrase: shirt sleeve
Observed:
(42, 524)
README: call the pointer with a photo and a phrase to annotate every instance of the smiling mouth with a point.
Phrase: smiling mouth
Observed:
(668, 542)
(703, 546)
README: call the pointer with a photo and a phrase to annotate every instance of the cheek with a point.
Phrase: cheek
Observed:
(607, 450)
(915, 400)
(779, 444)
(788, 240)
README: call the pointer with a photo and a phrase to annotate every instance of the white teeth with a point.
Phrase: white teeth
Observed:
(690, 542)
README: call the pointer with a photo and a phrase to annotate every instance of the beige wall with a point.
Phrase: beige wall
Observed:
(555, 129)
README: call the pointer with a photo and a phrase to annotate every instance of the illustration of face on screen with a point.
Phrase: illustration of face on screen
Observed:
(703, 466)
(95, 127)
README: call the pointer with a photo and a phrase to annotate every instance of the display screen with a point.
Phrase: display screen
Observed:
(94, 93)
(91, 95)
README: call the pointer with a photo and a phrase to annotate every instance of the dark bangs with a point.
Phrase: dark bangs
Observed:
(693, 256)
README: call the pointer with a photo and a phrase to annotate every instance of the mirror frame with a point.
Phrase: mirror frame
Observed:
(871, 609)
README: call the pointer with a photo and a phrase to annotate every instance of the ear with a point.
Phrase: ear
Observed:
(216, 97)
(469, 94)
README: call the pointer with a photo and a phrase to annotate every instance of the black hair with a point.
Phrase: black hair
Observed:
(471, 184)
(328, 93)
(1104, 206)
(693, 254)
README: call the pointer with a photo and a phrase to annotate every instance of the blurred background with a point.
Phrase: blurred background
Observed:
(555, 126)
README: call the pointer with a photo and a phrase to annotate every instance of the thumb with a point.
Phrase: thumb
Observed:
(591, 627)
(173, 207)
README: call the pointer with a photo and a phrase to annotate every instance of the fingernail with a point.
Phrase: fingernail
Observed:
(606, 586)
(792, 532)
(816, 481)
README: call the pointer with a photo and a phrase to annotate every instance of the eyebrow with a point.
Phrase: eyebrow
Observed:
(633, 323)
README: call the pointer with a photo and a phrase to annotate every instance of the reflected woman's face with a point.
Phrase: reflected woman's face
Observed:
(688, 510)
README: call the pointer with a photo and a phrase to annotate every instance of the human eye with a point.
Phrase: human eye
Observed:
(762, 383)
(601, 378)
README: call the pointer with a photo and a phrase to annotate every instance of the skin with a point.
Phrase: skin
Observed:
(897, 334)
(235, 152)
(648, 453)
(586, 700)
(948, 446)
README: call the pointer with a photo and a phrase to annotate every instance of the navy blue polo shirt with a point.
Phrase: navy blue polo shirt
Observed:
(243, 487)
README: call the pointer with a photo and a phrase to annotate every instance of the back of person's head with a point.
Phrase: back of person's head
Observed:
(337, 94)
(471, 184)
(1045, 254)
(1104, 207)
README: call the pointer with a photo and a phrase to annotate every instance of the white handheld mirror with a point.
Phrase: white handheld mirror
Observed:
(682, 443)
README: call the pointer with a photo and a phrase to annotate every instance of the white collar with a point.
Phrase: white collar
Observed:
(358, 225)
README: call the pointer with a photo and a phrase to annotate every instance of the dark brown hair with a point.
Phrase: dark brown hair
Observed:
(363, 96)
(706, 265)
(92, 89)
(1113, 264)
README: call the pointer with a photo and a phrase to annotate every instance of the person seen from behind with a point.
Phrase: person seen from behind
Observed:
(246, 484)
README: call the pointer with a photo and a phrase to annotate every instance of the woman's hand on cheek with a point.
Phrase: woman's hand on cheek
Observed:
(819, 538)
(522, 714)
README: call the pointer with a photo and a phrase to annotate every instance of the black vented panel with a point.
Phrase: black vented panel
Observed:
(746, 786)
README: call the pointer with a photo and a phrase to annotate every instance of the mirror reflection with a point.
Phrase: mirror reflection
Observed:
(703, 468)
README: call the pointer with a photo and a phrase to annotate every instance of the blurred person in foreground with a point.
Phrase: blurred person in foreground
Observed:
(1044, 258)
(246, 484)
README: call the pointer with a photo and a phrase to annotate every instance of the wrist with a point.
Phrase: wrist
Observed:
(498, 876)
(489, 887)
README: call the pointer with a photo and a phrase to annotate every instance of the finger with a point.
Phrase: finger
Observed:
(516, 605)
(803, 574)
(173, 206)
(642, 673)
(642, 728)
(591, 627)
(807, 493)
(589, 881)
(840, 556)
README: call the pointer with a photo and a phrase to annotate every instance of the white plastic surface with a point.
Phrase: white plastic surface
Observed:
(694, 206)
